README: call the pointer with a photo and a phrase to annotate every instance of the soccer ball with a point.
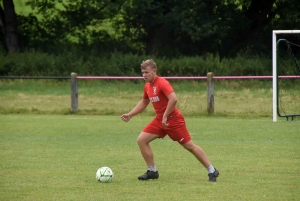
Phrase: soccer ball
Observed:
(104, 174)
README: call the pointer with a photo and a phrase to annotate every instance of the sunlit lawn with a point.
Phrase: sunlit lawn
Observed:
(51, 157)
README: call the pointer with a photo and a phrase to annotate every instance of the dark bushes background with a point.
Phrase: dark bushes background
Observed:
(32, 63)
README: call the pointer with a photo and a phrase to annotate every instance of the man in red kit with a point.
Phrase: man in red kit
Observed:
(168, 121)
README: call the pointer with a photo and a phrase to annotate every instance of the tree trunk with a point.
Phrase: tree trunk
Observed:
(10, 26)
(2, 32)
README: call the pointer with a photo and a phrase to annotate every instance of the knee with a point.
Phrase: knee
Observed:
(141, 140)
(189, 146)
(146, 138)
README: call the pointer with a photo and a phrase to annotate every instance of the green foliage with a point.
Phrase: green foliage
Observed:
(187, 66)
(53, 24)
(246, 66)
(163, 28)
(60, 37)
(227, 28)
(32, 63)
(115, 63)
(38, 64)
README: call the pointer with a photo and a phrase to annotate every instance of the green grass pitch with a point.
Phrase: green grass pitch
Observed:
(56, 157)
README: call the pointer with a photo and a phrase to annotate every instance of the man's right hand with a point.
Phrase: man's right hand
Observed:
(125, 117)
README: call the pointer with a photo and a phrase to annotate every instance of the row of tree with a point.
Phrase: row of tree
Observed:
(164, 28)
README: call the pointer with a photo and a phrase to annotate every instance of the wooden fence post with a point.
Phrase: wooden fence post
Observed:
(210, 93)
(74, 93)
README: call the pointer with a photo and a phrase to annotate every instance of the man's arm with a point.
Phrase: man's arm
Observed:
(170, 107)
(137, 109)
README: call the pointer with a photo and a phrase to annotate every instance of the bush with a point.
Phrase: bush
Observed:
(33, 63)
(246, 66)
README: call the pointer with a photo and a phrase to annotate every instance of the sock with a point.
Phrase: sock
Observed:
(211, 169)
(152, 168)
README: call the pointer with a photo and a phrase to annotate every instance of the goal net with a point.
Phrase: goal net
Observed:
(286, 60)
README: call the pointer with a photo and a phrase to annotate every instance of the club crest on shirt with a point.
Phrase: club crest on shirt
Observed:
(154, 90)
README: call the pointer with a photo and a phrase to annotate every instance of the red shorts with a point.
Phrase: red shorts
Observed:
(176, 130)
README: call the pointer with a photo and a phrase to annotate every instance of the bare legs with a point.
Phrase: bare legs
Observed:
(198, 152)
(143, 141)
(145, 138)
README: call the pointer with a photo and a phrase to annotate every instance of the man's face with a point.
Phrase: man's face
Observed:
(149, 74)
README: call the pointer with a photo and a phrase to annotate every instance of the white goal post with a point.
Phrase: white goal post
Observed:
(274, 63)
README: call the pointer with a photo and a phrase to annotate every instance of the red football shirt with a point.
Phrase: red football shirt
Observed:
(157, 93)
